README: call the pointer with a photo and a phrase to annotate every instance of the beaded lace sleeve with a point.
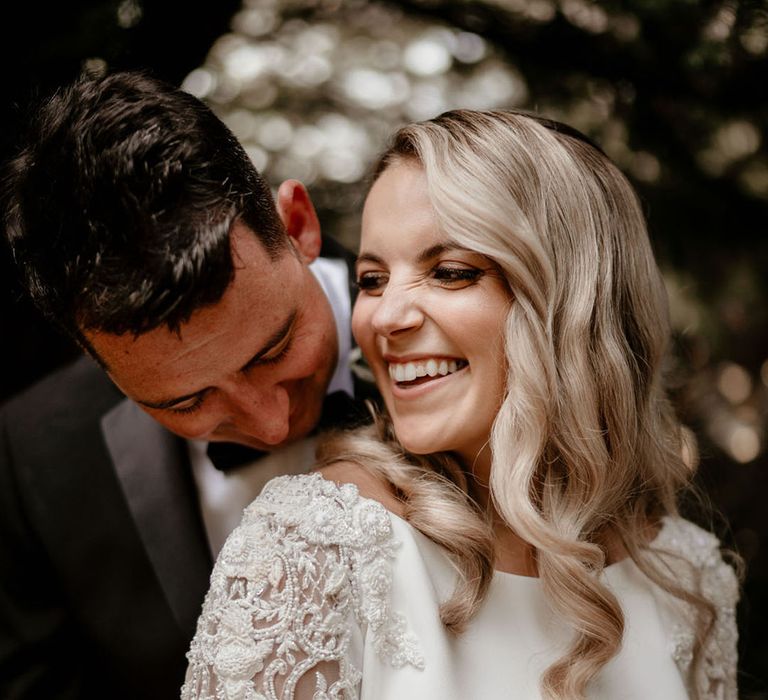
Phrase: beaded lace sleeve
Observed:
(715, 676)
(310, 561)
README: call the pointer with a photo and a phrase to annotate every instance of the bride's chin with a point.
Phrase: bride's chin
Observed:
(420, 444)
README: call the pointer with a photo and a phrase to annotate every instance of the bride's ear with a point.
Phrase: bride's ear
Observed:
(298, 215)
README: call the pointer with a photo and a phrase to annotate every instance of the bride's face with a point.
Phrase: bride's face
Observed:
(429, 319)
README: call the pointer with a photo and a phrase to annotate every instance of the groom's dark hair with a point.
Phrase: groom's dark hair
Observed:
(119, 205)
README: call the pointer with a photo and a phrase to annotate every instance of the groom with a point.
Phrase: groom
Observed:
(141, 228)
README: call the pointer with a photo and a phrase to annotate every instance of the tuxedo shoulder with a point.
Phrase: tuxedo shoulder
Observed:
(78, 392)
(79, 386)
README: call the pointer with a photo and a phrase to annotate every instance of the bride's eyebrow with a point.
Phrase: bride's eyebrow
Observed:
(368, 257)
(424, 256)
(436, 250)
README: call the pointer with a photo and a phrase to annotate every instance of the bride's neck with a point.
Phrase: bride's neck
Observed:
(513, 554)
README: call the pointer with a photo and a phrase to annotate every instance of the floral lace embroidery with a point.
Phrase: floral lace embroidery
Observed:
(716, 580)
(308, 558)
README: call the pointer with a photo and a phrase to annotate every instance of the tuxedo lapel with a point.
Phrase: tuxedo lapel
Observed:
(157, 484)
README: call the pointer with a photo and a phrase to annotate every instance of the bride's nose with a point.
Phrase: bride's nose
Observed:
(398, 311)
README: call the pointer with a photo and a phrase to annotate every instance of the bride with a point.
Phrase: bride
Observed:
(509, 526)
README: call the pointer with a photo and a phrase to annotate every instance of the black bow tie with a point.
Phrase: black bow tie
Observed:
(340, 410)
(227, 456)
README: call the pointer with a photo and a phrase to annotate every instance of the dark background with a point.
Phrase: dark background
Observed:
(677, 86)
(44, 45)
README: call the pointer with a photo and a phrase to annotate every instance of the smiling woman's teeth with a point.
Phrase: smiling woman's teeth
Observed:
(408, 371)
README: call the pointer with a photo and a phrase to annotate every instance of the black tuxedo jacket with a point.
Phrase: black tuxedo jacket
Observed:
(104, 561)
(103, 556)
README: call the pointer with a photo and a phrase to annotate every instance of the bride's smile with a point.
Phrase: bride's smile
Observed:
(412, 380)
(410, 372)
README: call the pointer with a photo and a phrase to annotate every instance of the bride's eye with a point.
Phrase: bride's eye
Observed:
(372, 282)
(453, 276)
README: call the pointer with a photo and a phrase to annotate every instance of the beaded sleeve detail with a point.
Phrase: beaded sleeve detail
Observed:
(310, 561)
(699, 566)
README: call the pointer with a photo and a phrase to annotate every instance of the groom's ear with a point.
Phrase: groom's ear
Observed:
(298, 215)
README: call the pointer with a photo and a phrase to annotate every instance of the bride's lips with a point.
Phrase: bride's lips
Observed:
(413, 376)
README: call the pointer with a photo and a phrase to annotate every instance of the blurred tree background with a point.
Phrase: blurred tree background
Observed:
(676, 92)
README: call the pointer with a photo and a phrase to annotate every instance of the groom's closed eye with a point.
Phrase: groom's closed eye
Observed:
(274, 350)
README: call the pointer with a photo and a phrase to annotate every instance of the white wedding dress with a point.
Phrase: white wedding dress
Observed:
(321, 594)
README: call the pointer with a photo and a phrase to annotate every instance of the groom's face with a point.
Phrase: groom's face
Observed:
(252, 368)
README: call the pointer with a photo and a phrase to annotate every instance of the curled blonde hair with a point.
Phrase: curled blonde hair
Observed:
(585, 445)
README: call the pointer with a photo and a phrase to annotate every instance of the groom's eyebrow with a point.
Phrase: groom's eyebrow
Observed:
(275, 339)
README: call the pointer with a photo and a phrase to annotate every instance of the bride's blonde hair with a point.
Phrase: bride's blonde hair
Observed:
(585, 443)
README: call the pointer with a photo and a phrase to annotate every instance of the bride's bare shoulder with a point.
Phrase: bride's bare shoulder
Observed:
(369, 484)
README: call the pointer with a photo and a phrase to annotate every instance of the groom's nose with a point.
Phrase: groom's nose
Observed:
(262, 412)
